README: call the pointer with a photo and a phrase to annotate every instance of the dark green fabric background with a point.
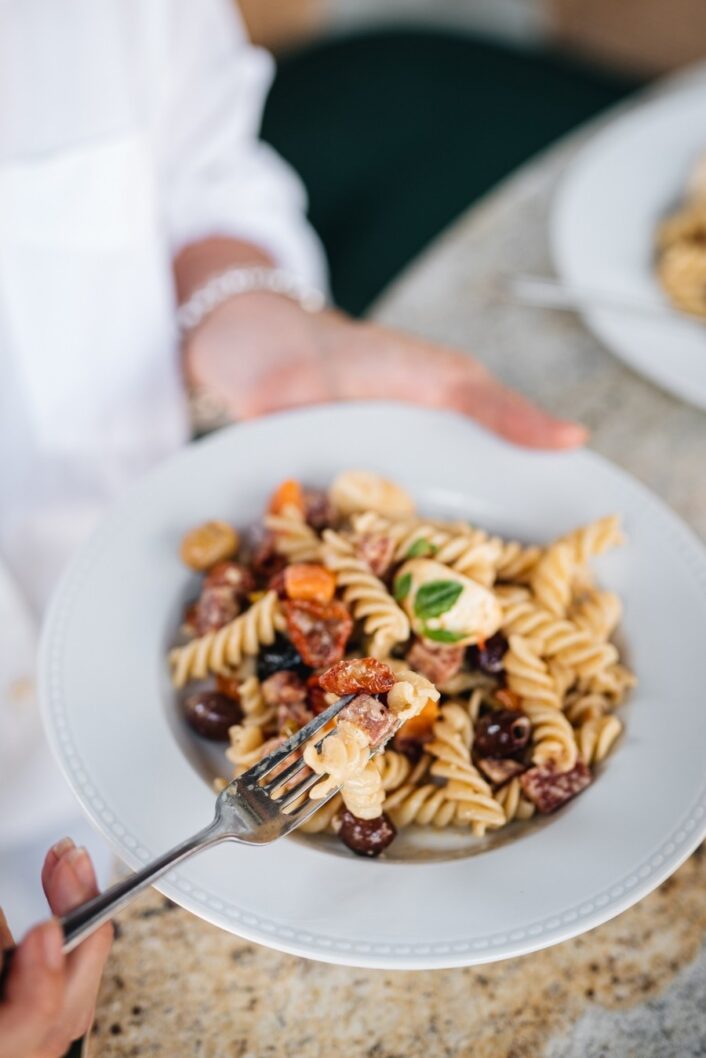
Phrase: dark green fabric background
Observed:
(396, 133)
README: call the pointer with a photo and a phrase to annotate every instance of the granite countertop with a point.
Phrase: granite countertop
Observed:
(176, 986)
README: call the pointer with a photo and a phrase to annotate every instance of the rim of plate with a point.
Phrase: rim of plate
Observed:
(626, 890)
(623, 333)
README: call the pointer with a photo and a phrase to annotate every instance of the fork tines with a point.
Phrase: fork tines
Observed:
(280, 755)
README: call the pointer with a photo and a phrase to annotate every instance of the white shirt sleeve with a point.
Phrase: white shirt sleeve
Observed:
(218, 177)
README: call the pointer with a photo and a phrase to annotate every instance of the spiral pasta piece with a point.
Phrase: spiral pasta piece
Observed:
(294, 539)
(323, 818)
(394, 769)
(589, 541)
(528, 676)
(361, 490)
(575, 649)
(597, 736)
(223, 650)
(468, 551)
(426, 805)
(410, 693)
(247, 746)
(572, 648)
(256, 712)
(512, 801)
(614, 682)
(366, 595)
(552, 736)
(340, 757)
(451, 744)
(363, 794)
(552, 577)
(475, 807)
(598, 613)
(581, 706)
(682, 272)
(517, 562)
(451, 761)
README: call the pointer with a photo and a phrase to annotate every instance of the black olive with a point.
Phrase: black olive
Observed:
(211, 714)
(489, 657)
(366, 837)
(501, 733)
(278, 656)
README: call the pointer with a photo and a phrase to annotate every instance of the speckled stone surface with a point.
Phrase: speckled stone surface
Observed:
(634, 987)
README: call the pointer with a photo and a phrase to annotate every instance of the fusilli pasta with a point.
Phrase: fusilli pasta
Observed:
(551, 579)
(495, 661)
(293, 537)
(589, 541)
(223, 650)
(596, 737)
(383, 620)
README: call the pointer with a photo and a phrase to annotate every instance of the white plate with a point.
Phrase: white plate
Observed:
(603, 228)
(109, 708)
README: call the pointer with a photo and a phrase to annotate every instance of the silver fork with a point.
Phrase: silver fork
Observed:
(249, 810)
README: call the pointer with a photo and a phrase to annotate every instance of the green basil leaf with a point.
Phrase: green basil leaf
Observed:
(436, 597)
(421, 548)
(441, 635)
(402, 586)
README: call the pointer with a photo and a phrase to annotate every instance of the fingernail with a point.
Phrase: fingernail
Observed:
(52, 940)
(81, 866)
(62, 847)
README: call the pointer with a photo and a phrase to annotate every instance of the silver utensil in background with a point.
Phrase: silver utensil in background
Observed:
(546, 292)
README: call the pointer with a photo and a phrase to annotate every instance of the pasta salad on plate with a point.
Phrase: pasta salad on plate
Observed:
(495, 657)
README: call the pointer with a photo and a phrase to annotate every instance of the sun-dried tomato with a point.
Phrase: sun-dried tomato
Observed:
(319, 631)
(358, 674)
(549, 789)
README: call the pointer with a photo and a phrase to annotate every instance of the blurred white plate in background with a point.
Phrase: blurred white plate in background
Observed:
(111, 717)
(603, 227)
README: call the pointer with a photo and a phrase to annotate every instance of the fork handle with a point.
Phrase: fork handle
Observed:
(86, 918)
